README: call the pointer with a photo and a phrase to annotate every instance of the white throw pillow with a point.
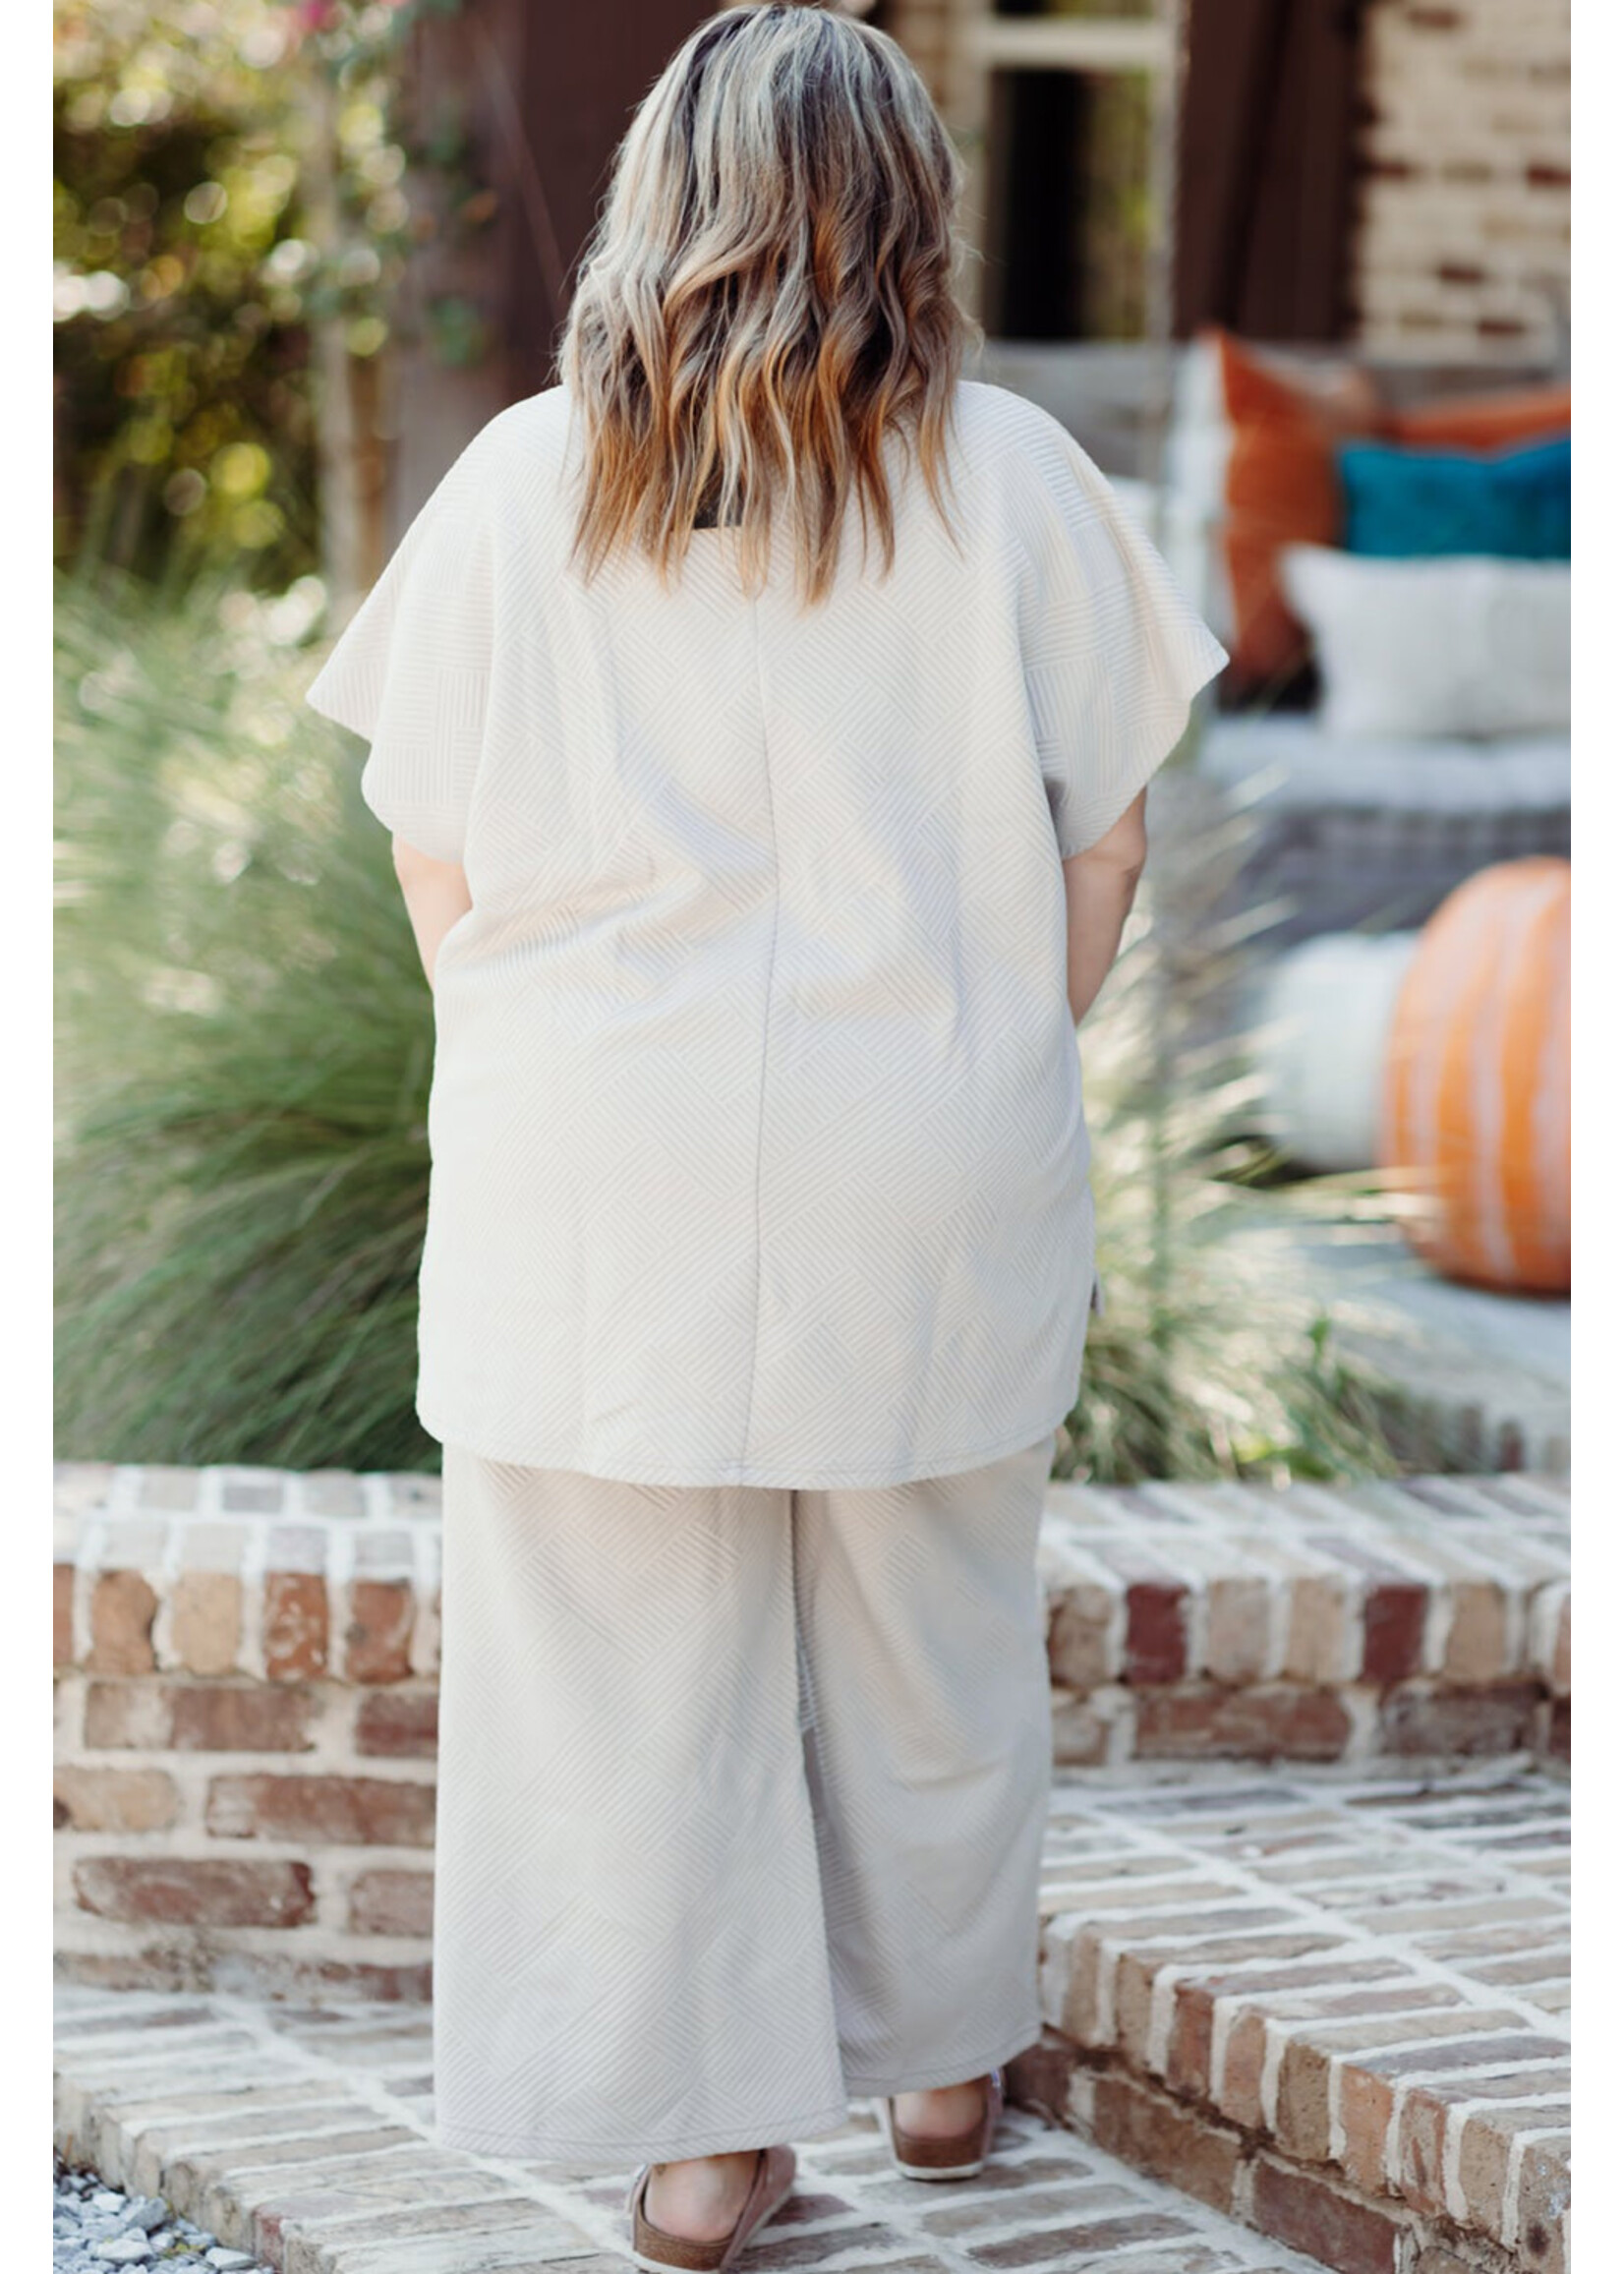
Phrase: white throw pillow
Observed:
(1453, 644)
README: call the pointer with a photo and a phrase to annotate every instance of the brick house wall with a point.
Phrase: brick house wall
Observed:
(1459, 251)
(1460, 248)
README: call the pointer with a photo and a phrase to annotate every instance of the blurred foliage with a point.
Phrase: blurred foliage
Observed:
(244, 1050)
(245, 1044)
(228, 174)
(1215, 1355)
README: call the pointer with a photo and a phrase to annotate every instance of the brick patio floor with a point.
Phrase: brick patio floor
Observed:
(1330, 2009)
(1332, 2004)
(302, 2133)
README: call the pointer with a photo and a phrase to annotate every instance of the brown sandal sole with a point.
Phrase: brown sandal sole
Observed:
(958, 2157)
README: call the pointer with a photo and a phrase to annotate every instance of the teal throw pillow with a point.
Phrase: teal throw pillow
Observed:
(1514, 503)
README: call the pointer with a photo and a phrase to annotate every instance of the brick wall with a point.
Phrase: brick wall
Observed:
(247, 1664)
(246, 1673)
(1461, 233)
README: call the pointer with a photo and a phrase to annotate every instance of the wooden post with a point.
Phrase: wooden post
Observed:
(350, 539)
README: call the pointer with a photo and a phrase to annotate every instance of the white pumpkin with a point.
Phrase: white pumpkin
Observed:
(1321, 1018)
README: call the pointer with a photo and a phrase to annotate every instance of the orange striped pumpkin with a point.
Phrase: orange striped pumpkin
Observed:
(1476, 1082)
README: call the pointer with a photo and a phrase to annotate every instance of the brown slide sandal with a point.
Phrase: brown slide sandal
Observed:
(958, 2157)
(652, 2248)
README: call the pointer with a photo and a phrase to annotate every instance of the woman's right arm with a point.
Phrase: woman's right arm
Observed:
(1100, 884)
(436, 893)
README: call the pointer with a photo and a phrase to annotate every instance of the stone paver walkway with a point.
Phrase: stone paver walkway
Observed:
(302, 2134)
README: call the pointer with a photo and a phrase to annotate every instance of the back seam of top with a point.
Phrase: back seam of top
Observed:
(765, 1023)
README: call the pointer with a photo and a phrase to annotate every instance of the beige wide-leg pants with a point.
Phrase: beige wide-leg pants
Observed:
(741, 1804)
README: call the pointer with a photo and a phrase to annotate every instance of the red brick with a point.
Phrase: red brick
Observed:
(295, 1625)
(1367, 2107)
(251, 1717)
(1331, 1970)
(331, 1492)
(1478, 1647)
(352, 2216)
(177, 1891)
(401, 1724)
(1422, 2124)
(378, 1639)
(384, 1554)
(1081, 1732)
(1083, 2014)
(1303, 2106)
(205, 1624)
(1078, 2245)
(1134, 1987)
(114, 1799)
(1152, 2132)
(1303, 2209)
(1498, 1718)
(1190, 2041)
(123, 1608)
(1544, 2190)
(1240, 2089)
(392, 1902)
(1465, 2053)
(1319, 1641)
(414, 1494)
(1237, 1630)
(62, 1613)
(1267, 1723)
(330, 1811)
(1395, 1625)
(1040, 2076)
(1081, 1656)
(125, 1715)
(1485, 2163)
(1156, 1637)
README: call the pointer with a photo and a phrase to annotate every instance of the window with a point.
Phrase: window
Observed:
(1069, 104)
(1068, 205)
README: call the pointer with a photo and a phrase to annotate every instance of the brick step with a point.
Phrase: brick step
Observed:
(248, 1662)
(304, 2136)
(1419, 1617)
(1332, 2007)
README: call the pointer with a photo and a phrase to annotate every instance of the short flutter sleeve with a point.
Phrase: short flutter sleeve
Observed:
(411, 671)
(1113, 651)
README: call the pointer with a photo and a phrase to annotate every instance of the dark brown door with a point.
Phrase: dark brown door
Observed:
(1265, 172)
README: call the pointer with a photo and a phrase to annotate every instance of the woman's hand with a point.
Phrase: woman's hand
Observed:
(436, 894)
(1100, 884)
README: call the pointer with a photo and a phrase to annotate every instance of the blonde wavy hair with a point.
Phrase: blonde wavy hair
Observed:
(769, 294)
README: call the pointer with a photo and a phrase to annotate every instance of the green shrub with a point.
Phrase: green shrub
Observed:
(246, 1045)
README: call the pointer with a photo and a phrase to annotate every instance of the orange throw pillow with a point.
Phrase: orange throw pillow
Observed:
(1489, 419)
(1279, 489)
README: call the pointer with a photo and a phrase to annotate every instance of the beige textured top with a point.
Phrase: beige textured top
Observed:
(758, 1145)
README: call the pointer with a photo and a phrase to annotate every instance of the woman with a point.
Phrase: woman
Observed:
(763, 719)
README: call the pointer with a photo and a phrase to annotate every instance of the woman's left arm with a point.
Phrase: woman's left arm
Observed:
(436, 893)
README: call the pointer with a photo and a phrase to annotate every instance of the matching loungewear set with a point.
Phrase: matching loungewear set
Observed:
(758, 1267)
